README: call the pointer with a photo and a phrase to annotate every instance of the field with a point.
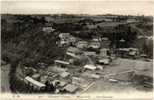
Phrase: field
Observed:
(118, 66)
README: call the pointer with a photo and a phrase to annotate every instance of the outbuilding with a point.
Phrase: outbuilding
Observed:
(90, 67)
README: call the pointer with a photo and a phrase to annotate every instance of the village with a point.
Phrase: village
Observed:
(85, 62)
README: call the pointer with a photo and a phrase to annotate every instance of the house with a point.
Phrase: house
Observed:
(104, 52)
(90, 53)
(104, 61)
(64, 35)
(131, 20)
(64, 42)
(105, 42)
(128, 52)
(70, 88)
(73, 55)
(48, 29)
(132, 53)
(67, 39)
(61, 62)
(104, 39)
(96, 38)
(123, 52)
(122, 40)
(36, 84)
(90, 67)
(100, 67)
(94, 45)
(95, 76)
(82, 44)
(134, 49)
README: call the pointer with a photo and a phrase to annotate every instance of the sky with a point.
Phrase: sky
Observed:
(125, 7)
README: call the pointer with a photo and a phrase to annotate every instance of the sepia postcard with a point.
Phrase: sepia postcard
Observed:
(76, 49)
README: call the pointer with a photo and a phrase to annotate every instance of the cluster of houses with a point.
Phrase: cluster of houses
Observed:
(79, 68)
(76, 71)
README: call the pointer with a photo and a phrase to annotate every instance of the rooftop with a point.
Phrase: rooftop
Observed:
(71, 88)
(34, 81)
(62, 62)
(91, 67)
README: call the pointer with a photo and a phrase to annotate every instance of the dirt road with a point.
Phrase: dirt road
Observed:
(5, 86)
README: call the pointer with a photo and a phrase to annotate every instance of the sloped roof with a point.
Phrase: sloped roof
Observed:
(37, 83)
(62, 62)
(71, 87)
(92, 67)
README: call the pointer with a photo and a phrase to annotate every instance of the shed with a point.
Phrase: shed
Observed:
(62, 62)
(73, 55)
(91, 67)
(34, 82)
